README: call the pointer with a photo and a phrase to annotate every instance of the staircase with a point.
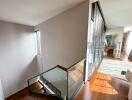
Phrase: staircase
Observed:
(49, 86)
(58, 82)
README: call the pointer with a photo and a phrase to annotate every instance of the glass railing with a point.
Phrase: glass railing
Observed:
(58, 81)
(75, 78)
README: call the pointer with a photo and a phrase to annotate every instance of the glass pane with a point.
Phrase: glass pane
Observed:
(58, 78)
(52, 82)
(95, 41)
(75, 78)
(36, 86)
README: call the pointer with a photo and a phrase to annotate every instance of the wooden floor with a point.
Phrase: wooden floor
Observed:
(101, 87)
(104, 87)
(24, 95)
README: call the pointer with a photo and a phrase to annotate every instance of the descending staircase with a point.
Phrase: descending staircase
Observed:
(49, 86)
(58, 82)
(38, 87)
(42, 86)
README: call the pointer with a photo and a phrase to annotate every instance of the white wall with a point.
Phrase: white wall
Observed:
(64, 37)
(17, 56)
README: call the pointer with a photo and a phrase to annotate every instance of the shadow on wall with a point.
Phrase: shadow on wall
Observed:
(20, 81)
(30, 71)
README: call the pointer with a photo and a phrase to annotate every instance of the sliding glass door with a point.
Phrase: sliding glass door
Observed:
(95, 43)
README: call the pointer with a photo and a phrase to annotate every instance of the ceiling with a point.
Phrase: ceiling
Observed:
(33, 12)
(117, 12)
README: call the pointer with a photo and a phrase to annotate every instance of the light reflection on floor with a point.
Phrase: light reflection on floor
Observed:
(101, 84)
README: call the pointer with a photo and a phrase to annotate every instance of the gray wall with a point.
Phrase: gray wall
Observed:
(64, 37)
(17, 56)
